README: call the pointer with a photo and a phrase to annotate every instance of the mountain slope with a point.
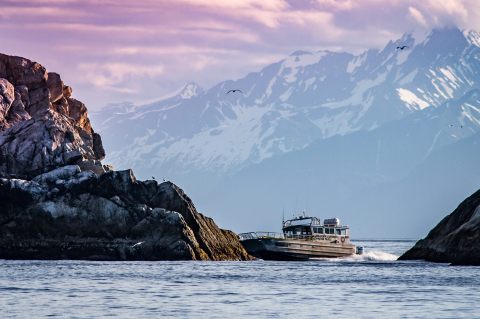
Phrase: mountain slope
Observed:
(393, 172)
(288, 105)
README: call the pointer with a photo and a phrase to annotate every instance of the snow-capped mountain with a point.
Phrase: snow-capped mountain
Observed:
(289, 104)
(404, 170)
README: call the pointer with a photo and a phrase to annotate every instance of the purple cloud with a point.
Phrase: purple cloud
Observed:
(113, 51)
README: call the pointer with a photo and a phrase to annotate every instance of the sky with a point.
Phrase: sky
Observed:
(114, 51)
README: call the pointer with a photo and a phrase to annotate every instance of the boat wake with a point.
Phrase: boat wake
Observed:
(374, 255)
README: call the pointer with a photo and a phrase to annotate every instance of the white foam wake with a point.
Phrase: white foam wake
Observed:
(374, 255)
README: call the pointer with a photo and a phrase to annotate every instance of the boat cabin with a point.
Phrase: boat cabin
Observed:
(312, 226)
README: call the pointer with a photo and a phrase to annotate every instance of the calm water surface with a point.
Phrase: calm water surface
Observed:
(373, 285)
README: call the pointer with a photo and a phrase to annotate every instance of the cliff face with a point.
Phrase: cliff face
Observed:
(58, 201)
(455, 239)
(41, 126)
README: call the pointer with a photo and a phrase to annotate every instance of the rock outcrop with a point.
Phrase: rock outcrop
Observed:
(455, 239)
(41, 126)
(57, 200)
(72, 214)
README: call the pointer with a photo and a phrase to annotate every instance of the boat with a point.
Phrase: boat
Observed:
(303, 238)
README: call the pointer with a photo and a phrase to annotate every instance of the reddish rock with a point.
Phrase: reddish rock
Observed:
(55, 87)
(41, 126)
(67, 91)
(78, 112)
(7, 97)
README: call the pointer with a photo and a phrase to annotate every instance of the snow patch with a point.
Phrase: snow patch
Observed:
(472, 37)
(308, 83)
(286, 94)
(413, 101)
(296, 63)
(357, 95)
(356, 62)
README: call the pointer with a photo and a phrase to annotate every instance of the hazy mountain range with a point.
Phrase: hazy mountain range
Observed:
(387, 140)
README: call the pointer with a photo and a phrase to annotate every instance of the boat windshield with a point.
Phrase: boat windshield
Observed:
(302, 221)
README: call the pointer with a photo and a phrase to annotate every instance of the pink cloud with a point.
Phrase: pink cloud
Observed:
(105, 47)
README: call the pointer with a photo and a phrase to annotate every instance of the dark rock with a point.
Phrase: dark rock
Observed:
(98, 146)
(455, 239)
(109, 217)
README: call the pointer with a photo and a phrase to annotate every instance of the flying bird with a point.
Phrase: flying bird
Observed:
(233, 91)
(403, 47)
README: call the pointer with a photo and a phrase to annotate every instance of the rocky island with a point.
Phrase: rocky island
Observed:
(455, 239)
(57, 199)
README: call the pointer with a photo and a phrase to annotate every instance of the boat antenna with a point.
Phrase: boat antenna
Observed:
(283, 216)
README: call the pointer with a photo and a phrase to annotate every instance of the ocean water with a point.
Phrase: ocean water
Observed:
(370, 286)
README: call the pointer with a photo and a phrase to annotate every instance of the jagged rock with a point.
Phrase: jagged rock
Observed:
(55, 87)
(17, 112)
(67, 91)
(61, 173)
(98, 149)
(108, 217)
(78, 111)
(455, 239)
(7, 96)
(58, 201)
(41, 126)
(92, 166)
(108, 167)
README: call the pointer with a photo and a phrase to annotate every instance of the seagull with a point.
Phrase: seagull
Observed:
(233, 91)
(403, 47)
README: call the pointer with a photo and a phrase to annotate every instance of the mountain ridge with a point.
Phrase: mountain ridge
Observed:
(310, 98)
(280, 112)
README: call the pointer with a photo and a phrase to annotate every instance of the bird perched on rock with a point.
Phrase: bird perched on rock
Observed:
(233, 91)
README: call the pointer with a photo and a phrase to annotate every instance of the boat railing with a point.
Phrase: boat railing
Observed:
(273, 235)
(260, 234)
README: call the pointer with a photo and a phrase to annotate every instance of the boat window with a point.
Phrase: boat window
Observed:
(339, 231)
(319, 230)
